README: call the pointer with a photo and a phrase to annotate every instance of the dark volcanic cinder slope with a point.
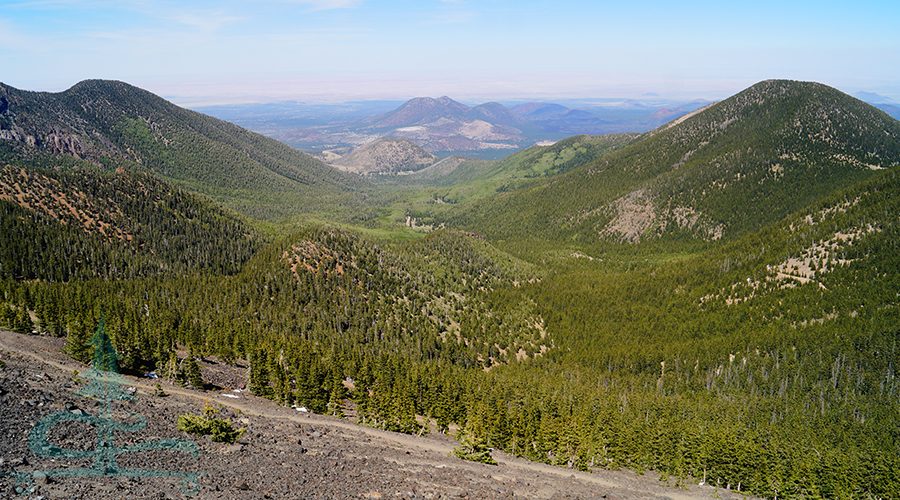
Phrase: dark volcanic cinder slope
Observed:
(282, 454)
(115, 124)
(727, 169)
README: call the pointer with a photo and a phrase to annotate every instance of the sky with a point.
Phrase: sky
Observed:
(222, 51)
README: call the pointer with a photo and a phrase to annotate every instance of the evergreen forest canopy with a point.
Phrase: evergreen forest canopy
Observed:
(713, 300)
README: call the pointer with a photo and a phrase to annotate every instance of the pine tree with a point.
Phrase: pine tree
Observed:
(22, 321)
(77, 341)
(192, 373)
(259, 374)
(336, 398)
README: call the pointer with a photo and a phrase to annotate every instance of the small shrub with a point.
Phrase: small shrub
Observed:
(220, 430)
(473, 451)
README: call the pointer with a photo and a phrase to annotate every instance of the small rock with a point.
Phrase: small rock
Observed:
(243, 486)
(315, 434)
(372, 494)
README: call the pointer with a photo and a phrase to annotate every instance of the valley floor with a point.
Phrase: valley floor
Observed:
(283, 454)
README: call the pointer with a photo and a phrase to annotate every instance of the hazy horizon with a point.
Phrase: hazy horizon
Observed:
(326, 51)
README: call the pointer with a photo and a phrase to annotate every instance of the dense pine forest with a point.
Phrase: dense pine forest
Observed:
(740, 329)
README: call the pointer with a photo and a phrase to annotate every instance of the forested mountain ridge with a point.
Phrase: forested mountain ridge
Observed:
(62, 225)
(732, 167)
(113, 124)
(310, 310)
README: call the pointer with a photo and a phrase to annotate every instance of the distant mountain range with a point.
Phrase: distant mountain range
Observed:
(444, 127)
(881, 102)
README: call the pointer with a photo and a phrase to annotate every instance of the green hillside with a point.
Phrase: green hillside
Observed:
(456, 180)
(59, 226)
(729, 169)
(111, 124)
(536, 161)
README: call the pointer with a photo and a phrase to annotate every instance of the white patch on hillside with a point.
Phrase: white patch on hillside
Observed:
(636, 217)
(808, 266)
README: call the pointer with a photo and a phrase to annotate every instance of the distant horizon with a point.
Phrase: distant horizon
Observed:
(195, 94)
(208, 52)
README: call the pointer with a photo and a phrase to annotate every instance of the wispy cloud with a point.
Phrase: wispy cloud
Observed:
(327, 4)
(206, 22)
(452, 12)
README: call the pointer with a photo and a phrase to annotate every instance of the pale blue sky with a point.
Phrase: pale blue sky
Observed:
(195, 52)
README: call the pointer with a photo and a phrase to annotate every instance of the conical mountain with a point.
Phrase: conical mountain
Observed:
(727, 169)
(419, 111)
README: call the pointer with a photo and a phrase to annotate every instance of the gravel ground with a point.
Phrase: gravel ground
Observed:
(283, 454)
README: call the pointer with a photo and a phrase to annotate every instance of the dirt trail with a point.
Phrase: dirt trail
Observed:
(431, 452)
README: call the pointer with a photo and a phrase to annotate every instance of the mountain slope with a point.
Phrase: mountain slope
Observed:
(727, 169)
(386, 156)
(417, 111)
(59, 226)
(114, 124)
(532, 162)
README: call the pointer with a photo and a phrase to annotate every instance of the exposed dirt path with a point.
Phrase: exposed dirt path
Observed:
(421, 461)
